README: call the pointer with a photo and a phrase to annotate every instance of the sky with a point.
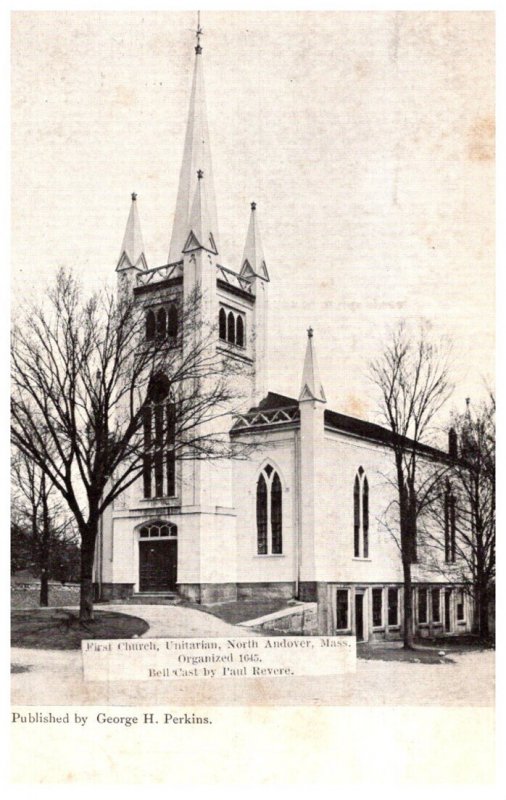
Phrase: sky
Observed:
(365, 138)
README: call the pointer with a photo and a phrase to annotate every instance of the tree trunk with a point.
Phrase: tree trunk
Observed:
(408, 605)
(407, 533)
(88, 538)
(44, 588)
(483, 608)
(44, 548)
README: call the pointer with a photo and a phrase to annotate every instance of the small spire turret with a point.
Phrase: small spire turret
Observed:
(253, 261)
(200, 234)
(132, 250)
(311, 387)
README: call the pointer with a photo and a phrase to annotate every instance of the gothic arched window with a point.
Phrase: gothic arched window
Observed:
(231, 328)
(261, 516)
(356, 517)
(173, 321)
(361, 515)
(150, 325)
(239, 335)
(159, 474)
(365, 516)
(161, 323)
(269, 512)
(223, 324)
(276, 515)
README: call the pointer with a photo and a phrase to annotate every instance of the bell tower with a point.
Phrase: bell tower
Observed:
(229, 321)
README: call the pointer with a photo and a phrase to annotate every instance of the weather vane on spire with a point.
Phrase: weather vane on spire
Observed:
(198, 33)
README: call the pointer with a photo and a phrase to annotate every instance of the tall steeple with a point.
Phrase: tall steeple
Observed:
(196, 156)
(311, 387)
(132, 250)
(253, 261)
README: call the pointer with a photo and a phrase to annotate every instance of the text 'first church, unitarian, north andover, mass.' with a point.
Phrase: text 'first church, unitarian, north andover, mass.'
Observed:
(299, 517)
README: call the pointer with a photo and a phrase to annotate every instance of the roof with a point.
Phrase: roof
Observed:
(273, 400)
(267, 414)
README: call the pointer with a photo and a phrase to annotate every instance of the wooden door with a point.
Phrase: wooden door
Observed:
(157, 565)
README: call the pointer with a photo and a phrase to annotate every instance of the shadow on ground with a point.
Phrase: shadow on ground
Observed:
(58, 629)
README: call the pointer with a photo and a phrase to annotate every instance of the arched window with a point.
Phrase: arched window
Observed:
(356, 517)
(158, 530)
(261, 516)
(150, 325)
(361, 515)
(161, 323)
(223, 324)
(450, 525)
(173, 321)
(239, 335)
(269, 508)
(276, 515)
(231, 328)
(159, 424)
(365, 515)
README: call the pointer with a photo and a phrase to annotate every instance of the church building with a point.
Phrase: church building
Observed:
(299, 518)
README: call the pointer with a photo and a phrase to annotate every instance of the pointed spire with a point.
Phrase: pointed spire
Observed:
(253, 261)
(200, 235)
(196, 155)
(132, 250)
(311, 387)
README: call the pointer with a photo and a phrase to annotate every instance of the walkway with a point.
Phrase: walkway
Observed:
(55, 677)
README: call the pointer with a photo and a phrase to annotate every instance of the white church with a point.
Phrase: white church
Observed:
(299, 518)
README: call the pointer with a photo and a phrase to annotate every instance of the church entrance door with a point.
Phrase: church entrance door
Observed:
(157, 565)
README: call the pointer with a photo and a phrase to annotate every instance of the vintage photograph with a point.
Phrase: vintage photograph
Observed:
(253, 355)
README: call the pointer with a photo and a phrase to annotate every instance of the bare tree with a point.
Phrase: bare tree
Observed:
(82, 372)
(38, 514)
(460, 536)
(412, 376)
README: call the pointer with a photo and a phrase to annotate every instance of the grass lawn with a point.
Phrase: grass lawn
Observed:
(60, 630)
(59, 595)
(243, 610)
(455, 644)
(397, 653)
(426, 650)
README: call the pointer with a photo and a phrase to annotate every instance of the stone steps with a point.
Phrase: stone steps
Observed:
(154, 598)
